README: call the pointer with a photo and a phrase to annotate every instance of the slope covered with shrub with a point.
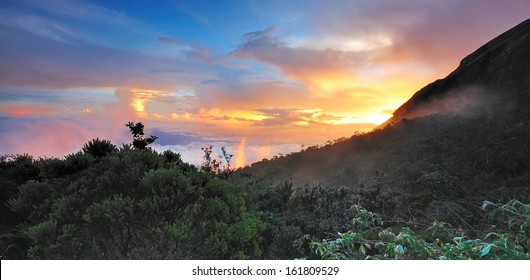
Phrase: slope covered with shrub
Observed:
(126, 203)
(105, 202)
(368, 238)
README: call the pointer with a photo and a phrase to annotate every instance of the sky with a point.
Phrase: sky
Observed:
(257, 77)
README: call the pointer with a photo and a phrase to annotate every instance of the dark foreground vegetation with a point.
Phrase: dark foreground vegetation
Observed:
(428, 179)
(105, 202)
(131, 202)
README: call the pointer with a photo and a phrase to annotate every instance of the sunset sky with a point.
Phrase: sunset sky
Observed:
(259, 77)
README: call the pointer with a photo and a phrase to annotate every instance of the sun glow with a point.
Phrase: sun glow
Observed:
(370, 118)
(333, 84)
(231, 115)
(375, 118)
(138, 106)
(302, 123)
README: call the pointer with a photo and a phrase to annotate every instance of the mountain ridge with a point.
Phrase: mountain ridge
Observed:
(452, 125)
(502, 63)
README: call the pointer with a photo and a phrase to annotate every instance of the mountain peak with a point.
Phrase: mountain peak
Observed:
(504, 43)
(500, 67)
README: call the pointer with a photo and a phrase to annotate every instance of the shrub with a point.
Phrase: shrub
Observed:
(367, 239)
(99, 148)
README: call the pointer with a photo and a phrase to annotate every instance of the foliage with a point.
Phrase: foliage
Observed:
(455, 155)
(99, 148)
(290, 213)
(318, 209)
(14, 171)
(440, 184)
(139, 141)
(110, 203)
(368, 239)
(136, 204)
(281, 236)
(431, 176)
(514, 214)
(380, 198)
(210, 165)
(434, 169)
(214, 166)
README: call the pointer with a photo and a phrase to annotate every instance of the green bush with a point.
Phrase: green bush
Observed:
(368, 239)
(130, 204)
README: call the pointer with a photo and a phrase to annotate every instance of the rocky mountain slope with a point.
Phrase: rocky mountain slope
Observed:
(473, 125)
(496, 73)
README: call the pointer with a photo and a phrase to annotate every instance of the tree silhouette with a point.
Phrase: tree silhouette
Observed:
(99, 148)
(210, 165)
(215, 166)
(139, 141)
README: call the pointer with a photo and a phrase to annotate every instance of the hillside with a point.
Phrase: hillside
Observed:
(472, 124)
(496, 74)
(457, 142)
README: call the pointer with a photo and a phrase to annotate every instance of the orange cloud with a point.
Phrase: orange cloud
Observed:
(307, 65)
(25, 110)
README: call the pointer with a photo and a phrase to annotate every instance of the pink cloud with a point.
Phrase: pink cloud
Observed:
(25, 110)
(437, 33)
(57, 136)
(302, 64)
(46, 138)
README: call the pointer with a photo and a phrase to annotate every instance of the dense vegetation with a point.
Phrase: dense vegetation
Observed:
(481, 150)
(132, 202)
(126, 203)
(368, 239)
(420, 173)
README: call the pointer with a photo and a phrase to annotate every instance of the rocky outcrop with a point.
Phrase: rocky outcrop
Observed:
(498, 71)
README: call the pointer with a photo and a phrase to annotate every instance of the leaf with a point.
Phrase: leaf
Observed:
(399, 250)
(362, 249)
(491, 234)
(485, 204)
(458, 239)
(485, 251)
